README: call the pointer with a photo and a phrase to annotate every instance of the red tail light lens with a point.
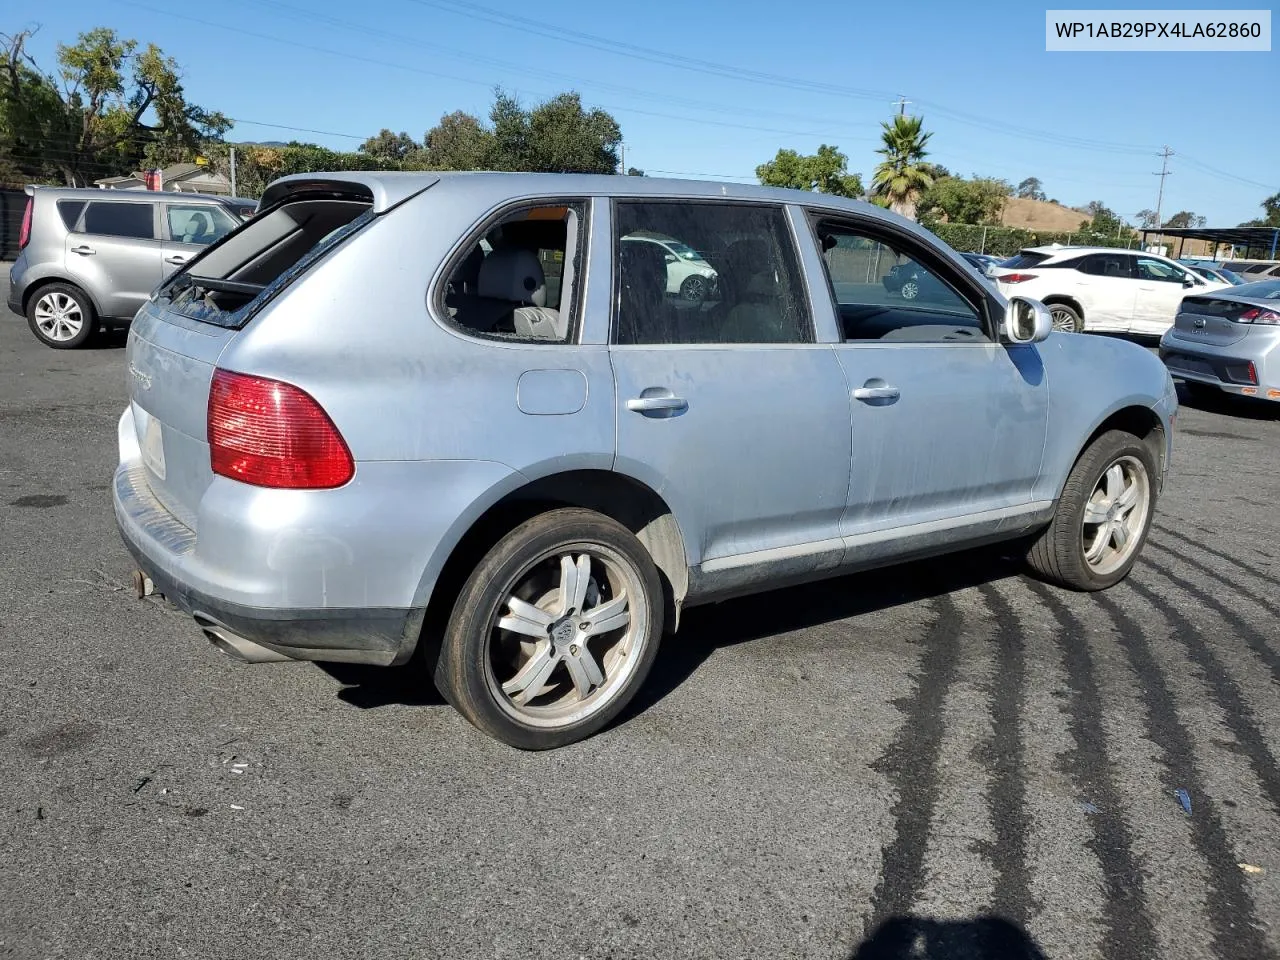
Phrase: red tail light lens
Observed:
(1259, 315)
(272, 434)
(1016, 277)
(24, 233)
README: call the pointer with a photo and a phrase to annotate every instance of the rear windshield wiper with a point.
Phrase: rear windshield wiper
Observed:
(214, 285)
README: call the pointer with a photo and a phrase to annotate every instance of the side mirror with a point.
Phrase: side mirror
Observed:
(1027, 321)
(1189, 281)
(669, 258)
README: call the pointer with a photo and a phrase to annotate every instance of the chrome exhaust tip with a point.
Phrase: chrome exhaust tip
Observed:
(236, 646)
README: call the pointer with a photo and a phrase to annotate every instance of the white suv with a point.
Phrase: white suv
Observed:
(1102, 288)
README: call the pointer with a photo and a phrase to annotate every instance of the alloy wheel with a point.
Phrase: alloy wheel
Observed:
(59, 316)
(1116, 514)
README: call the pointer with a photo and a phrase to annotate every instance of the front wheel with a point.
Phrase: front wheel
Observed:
(910, 290)
(1103, 516)
(554, 631)
(694, 288)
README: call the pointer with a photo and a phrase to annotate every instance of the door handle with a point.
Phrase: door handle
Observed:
(176, 260)
(652, 404)
(84, 251)
(885, 392)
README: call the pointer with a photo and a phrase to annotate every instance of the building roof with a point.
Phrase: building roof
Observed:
(1266, 237)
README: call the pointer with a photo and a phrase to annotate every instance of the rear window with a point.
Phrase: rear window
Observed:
(70, 210)
(235, 276)
(1025, 259)
(114, 219)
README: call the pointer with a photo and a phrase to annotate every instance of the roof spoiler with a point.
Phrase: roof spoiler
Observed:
(381, 191)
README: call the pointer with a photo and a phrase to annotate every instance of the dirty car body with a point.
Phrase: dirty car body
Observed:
(787, 429)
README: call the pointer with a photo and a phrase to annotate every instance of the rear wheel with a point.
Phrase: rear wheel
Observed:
(61, 316)
(1103, 516)
(1066, 318)
(910, 290)
(554, 631)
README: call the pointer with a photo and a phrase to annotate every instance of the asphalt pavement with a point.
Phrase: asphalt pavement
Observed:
(944, 760)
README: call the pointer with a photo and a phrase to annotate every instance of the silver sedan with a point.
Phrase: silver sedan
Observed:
(1228, 340)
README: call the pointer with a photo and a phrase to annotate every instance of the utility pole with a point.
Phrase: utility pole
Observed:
(233, 171)
(901, 103)
(622, 157)
(1164, 154)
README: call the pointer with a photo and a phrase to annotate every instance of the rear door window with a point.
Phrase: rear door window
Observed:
(200, 223)
(1116, 265)
(111, 218)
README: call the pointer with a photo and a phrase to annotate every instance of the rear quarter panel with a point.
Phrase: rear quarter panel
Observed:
(1090, 378)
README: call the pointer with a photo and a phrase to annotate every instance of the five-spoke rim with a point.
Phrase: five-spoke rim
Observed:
(1115, 515)
(58, 316)
(567, 636)
(1062, 319)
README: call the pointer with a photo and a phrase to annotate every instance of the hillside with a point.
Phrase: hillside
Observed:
(1040, 215)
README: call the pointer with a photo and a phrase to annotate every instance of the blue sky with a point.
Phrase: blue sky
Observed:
(1088, 125)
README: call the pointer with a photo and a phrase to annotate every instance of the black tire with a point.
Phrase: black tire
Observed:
(1058, 553)
(88, 317)
(694, 288)
(465, 671)
(1065, 312)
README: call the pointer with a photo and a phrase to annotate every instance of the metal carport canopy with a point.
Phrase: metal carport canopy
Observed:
(1266, 238)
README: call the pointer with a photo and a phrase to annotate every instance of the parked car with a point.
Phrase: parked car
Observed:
(1251, 271)
(909, 280)
(1215, 274)
(1102, 288)
(1228, 341)
(689, 276)
(982, 262)
(357, 429)
(90, 257)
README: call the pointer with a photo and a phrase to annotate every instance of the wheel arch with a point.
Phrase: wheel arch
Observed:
(1065, 300)
(625, 499)
(1139, 420)
(38, 284)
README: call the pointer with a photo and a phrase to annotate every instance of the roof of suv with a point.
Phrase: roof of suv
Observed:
(1062, 250)
(86, 193)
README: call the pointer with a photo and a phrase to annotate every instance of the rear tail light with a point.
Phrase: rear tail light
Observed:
(1016, 277)
(24, 232)
(1259, 315)
(272, 434)
(1253, 373)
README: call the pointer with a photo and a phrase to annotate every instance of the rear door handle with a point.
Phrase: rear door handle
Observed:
(176, 260)
(652, 404)
(84, 251)
(876, 393)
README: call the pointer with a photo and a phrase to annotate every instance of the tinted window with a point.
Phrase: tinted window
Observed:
(119, 219)
(884, 292)
(70, 212)
(1108, 265)
(517, 281)
(198, 223)
(1024, 260)
(1149, 269)
(706, 273)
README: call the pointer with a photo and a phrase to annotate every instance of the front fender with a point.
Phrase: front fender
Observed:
(1092, 378)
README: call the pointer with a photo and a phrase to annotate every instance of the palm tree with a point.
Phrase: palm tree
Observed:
(902, 177)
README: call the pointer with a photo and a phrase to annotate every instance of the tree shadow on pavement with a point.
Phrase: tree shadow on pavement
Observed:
(705, 629)
(919, 938)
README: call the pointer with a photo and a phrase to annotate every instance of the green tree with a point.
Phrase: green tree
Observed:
(111, 108)
(1104, 229)
(458, 142)
(1147, 218)
(822, 172)
(1031, 189)
(634, 172)
(558, 136)
(901, 177)
(957, 200)
(389, 146)
(1185, 218)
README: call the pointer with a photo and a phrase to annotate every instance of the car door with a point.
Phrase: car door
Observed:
(1107, 287)
(727, 406)
(114, 254)
(1161, 287)
(188, 227)
(948, 423)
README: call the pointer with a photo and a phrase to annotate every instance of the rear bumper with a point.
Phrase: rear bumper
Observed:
(160, 545)
(1226, 367)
